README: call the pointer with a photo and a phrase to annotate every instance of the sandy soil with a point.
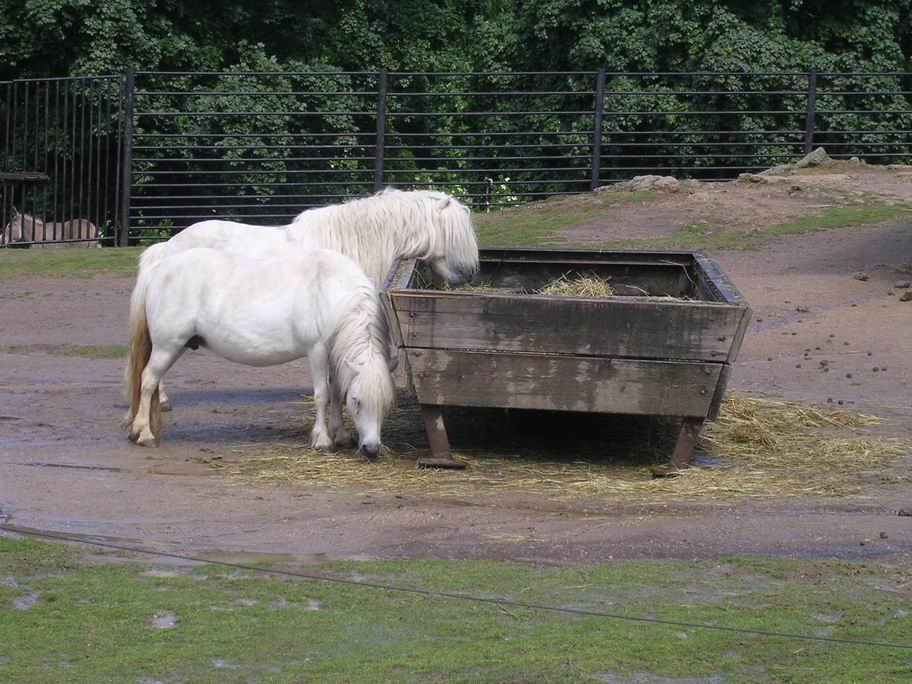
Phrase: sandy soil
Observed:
(65, 466)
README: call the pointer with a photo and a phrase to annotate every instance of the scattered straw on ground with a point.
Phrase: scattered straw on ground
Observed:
(760, 448)
(578, 286)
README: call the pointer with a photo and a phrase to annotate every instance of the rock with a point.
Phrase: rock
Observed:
(883, 535)
(906, 512)
(855, 161)
(906, 296)
(901, 284)
(818, 157)
(801, 308)
(640, 183)
(860, 275)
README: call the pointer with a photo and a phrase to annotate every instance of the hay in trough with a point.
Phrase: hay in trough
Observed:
(759, 448)
(470, 287)
(578, 286)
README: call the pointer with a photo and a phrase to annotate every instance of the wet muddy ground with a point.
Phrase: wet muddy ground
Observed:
(66, 466)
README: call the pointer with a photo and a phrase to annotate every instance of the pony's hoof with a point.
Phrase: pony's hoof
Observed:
(147, 441)
(165, 405)
(344, 440)
(323, 444)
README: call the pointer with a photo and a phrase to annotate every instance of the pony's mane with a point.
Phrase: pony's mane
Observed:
(351, 352)
(376, 230)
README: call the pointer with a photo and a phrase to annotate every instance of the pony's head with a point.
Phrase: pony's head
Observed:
(359, 352)
(452, 244)
(369, 397)
(432, 226)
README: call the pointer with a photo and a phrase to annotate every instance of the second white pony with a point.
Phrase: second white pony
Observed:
(263, 312)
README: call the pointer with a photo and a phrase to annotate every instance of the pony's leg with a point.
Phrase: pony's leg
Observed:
(340, 436)
(159, 363)
(319, 369)
(163, 398)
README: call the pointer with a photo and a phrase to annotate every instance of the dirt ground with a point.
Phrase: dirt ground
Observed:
(65, 465)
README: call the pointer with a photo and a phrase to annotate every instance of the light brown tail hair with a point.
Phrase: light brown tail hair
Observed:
(140, 351)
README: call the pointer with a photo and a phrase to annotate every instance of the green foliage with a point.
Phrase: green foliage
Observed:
(53, 37)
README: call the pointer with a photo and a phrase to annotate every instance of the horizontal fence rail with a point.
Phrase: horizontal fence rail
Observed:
(59, 160)
(260, 147)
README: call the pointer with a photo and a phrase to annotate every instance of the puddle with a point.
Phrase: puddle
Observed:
(222, 664)
(826, 617)
(255, 557)
(25, 602)
(155, 572)
(39, 464)
(164, 620)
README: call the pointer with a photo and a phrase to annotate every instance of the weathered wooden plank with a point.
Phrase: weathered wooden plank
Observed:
(625, 327)
(590, 256)
(712, 283)
(398, 276)
(719, 393)
(686, 443)
(563, 383)
(441, 456)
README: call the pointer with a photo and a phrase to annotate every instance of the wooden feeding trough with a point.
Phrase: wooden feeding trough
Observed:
(662, 345)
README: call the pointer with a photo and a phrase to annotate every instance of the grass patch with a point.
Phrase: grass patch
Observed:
(700, 236)
(77, 350)
(538, 223)
(763, 449)
(129, 621)
(67, 263)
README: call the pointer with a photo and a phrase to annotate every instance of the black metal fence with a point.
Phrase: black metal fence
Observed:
(260, 147)
(60, 160)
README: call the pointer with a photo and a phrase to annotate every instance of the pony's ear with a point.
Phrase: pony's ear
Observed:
(15, 211)
(444, 203)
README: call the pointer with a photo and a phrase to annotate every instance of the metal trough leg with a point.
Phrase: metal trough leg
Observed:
(684, 448)
(441, 457)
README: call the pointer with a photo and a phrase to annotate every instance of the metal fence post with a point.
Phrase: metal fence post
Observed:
(381, 130)
(597, 129)
(811, 113)
(126, 162)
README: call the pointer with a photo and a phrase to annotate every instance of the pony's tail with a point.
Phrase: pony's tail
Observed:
(140, 352)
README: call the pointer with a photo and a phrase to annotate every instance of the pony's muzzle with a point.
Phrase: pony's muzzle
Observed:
(371, 450)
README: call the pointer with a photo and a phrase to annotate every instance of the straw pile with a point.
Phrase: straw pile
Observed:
(579, 286)
(761, 449)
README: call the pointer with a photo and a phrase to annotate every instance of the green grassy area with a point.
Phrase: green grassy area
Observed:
(67, 263)
(92, 351)
(68, 619)
(700, 236)
(538, 223)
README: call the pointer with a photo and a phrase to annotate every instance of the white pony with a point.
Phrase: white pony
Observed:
(263, 312)
(375, 231)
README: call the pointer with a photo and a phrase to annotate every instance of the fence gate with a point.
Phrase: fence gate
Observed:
(60, 161)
